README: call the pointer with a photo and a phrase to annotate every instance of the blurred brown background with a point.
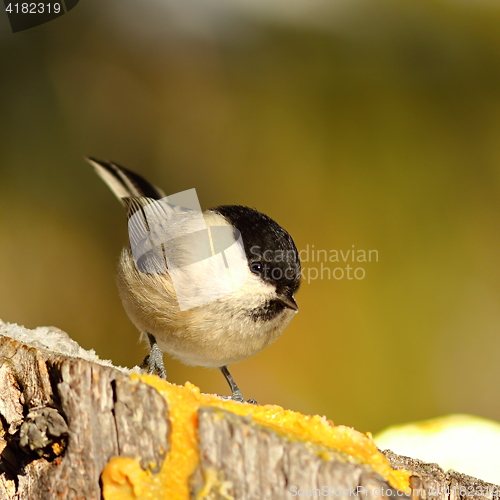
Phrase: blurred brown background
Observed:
(373, 124)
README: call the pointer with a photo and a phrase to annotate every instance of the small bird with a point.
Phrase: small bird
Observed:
(228, 326)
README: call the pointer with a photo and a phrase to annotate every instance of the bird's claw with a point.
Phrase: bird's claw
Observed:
(238, 397)
(153, 362)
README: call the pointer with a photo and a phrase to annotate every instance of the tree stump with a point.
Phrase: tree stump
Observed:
(66, 415)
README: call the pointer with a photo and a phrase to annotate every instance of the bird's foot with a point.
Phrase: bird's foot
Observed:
(153, 362)
(237, 396)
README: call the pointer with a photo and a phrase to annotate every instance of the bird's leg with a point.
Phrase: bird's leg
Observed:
(237, 395)
(153, 362)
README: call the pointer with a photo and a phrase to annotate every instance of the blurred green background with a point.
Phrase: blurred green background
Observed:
(373, 124)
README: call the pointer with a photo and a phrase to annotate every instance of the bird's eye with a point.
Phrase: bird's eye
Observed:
(256, 267)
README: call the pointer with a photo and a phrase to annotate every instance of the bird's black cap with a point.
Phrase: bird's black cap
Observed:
(270, 250)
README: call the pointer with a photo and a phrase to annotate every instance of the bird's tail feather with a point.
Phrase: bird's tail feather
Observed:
(124, 183)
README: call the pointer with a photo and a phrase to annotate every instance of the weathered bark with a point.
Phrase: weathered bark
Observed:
(430, 481)
(64, 414)
(63, 418)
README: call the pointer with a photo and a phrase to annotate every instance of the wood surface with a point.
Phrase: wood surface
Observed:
(63, 417)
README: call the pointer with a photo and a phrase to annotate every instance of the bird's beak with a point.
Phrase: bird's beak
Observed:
(288, 302)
